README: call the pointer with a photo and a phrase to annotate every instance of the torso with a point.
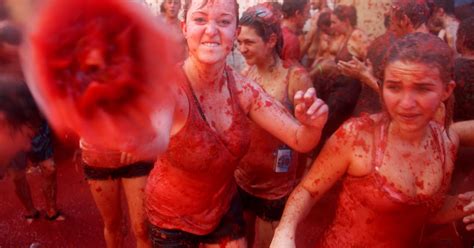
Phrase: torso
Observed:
(191, 185)
(256, 172)
(389, 194)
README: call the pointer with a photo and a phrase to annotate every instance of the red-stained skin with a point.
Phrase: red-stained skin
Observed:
(409, 184)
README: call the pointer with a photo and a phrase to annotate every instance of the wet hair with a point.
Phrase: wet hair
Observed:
(324, 21)
(290, 7)
(465, 35)
(265, 23)
(18, 106)
(187, 5)
(346, 12)
(425, 49)
(417, 11)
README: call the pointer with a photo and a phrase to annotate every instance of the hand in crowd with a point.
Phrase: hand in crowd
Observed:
(310, 110)
(468, 209)
(355, 68)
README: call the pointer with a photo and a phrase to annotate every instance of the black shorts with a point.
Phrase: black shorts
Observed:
(138, 169)
(231, 227)
(267, 210)
(41, 145)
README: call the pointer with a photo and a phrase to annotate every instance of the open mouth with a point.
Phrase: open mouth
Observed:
(210, 44)
(408, 117)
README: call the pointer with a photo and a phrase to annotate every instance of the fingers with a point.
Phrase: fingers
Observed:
(315, 108)
(468, 196)
(298, 98)
(470, 227)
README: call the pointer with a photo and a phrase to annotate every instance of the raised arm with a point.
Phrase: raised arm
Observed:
(303, 133)
(331, 164)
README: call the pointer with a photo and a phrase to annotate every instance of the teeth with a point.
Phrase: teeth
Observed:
(210, 44)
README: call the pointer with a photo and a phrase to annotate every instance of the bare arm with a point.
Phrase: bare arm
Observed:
(301, 132)
(331, 164)
(451, 210)
(360, 70)
(465, 131)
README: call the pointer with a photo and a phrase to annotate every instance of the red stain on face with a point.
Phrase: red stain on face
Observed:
(98, 189)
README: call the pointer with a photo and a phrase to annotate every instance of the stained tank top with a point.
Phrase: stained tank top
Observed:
(373, 213)
(192, 183)
(256, 172)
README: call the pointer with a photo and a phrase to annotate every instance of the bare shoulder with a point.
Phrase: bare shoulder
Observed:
(299, 78)
(248, 91)
(298, 73)
(364, 124)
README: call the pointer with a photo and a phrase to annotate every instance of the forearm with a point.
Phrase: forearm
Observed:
(297, 208)
(370, 80)
(307, 138)
(451, 210)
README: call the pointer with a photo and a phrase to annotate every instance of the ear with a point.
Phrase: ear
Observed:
(448, 91)
(272, 40)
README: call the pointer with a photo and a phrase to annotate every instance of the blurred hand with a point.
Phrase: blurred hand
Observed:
(310, 110)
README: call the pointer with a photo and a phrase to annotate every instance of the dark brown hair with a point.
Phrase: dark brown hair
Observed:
(265, 23)
(425, 49)
(346, 12)
(465, 35)
(417, 11)
(290, 7)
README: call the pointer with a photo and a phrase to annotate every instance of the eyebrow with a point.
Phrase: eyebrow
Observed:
(198, 11)
(423, 83)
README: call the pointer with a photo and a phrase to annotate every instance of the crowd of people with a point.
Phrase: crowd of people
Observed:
(239, 158)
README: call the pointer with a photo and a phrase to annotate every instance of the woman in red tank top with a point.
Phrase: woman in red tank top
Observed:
(268, 172)
(191, 197)
(395, 166)
(133, 100)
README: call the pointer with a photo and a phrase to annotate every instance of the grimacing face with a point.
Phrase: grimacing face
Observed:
(211, 30)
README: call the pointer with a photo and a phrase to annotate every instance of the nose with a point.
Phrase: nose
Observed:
(242, 49)
(211, 28)
(408, 100)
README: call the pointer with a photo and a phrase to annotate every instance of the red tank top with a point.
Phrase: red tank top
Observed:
(192, 184)
(372, 213)
(256, 172)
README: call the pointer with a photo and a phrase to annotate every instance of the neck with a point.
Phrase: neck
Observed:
(414, 138)
(203, 75)
(267, 65)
